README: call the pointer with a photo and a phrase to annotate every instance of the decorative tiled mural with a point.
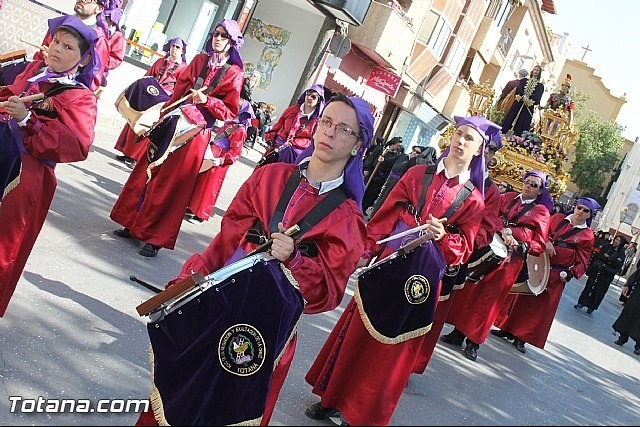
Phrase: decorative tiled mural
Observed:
(274, 39)
(22, 19)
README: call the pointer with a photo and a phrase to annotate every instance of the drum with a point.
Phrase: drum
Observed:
(487, 259)
(397, 296)
(11, 65)
(140, 103)
(215, 347)
(534, 276)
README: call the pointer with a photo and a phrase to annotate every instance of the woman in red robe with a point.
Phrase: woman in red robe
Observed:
(59, 129)
(527, 318)
(343, 374)
(475, 307)
(165, 71)
(152, 210)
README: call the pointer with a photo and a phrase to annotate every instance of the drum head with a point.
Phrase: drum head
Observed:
(538, 268)
(498, 247)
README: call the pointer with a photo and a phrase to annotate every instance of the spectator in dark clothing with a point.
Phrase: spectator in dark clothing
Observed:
(371, 157)
(603, 269)
(381, 171)
(628, 323)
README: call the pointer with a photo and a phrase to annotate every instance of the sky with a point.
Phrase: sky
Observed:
(612, 30)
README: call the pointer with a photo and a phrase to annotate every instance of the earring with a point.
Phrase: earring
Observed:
(354, 152)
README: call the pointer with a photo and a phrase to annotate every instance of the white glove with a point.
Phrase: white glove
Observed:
(217, 161)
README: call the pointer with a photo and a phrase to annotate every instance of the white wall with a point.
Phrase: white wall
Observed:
(304, 27)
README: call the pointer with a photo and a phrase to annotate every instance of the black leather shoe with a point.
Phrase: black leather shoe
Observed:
(619, 341)
(519, 345)
(319, 412)
(122, 232)
(454, 337)
(471, 351)
(578, 306)
(149, 250)
(636, 351)
(589, 310)
(502, 334)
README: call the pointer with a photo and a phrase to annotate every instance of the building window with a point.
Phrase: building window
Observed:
(439, 37)
(455, 56)
(499, 11)
(505, 41)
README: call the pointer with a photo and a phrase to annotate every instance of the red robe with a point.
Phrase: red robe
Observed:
(127, 143)
(291, 126)
(102, 47)
(116, 50)
(66, 138)
(475, 307)
(154, 211)
(530, 317)
(208, 185)
(340, 238)
(491, 223)
(354, 372)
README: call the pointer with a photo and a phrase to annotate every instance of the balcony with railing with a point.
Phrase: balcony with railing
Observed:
(386, 35)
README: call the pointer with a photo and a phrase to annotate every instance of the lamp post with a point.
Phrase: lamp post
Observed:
(623, 217)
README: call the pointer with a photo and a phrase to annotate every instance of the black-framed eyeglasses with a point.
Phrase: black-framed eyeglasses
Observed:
(312, 95)
(532, 184)
(503, 186)
(221, 34)
(583, 209)
(342, 130)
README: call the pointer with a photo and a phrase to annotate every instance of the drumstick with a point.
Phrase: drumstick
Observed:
(266, 245)
(184, 98)
(407, 232)
(149, 286)
(37, 46)
(25, 99)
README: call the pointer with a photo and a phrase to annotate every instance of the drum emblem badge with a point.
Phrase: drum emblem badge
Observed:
(241, 350)
(152, 90)
(452, 270)
(417, 289)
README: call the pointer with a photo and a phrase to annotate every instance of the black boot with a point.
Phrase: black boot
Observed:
(319, 412)
(519, 344)
(454, 337)
(471, 350)
(502, 334)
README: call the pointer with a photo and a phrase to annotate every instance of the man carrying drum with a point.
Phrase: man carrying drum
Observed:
(165, 71)
(525, 217)
(454, 277)
(528, 318)
(151, 209)
(317, 264)
(362, 370)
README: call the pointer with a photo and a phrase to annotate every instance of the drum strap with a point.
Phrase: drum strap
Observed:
(332, 200)
(565, 236)
(216, 80)
(517, 216)
(462, 195)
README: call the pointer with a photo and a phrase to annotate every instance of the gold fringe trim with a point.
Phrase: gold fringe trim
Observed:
(253, 422)
(377, 335)
(155, 399)
(458, 287)
(12, 185)
(480, 260)
(444, 297)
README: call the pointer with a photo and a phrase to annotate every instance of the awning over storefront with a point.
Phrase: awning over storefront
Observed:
(549, 6)
(372, 96)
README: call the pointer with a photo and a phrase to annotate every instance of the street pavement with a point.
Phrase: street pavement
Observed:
(72, 332)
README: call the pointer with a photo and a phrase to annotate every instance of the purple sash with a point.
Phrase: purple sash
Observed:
(397, 297)
(214, 357)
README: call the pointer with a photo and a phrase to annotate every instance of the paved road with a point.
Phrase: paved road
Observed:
(71, 330)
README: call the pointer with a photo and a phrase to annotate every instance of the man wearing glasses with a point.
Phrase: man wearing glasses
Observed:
(90, 13)
(525, 217)
(527, 319)
(293, 131)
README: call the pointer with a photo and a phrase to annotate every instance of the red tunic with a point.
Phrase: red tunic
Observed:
(102, 47)
(292, 127)
(154, 211)
(208, 185)
(530, 317)
(491, 223)
(340, 238)
(475, 307)
(116, 50)
(354, 372)
(127, 143)
(63, 139)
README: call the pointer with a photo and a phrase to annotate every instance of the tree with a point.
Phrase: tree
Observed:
(596, 153)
